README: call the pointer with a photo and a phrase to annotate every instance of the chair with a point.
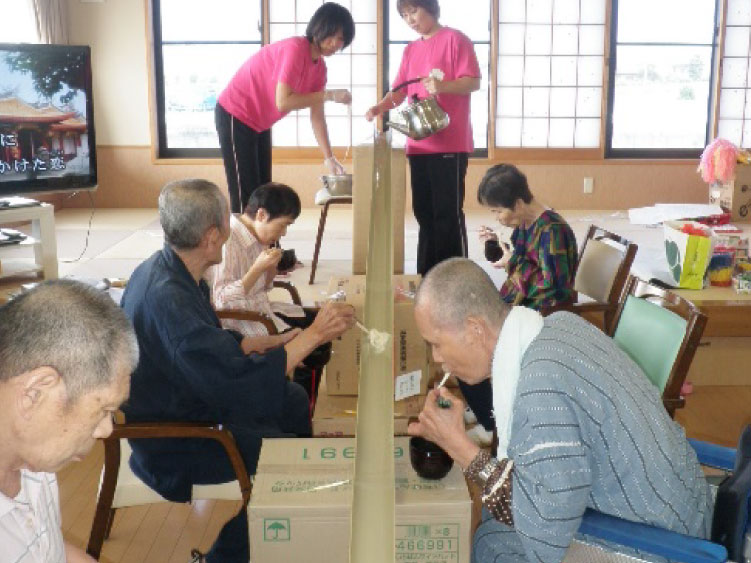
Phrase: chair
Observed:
(730, 520)
(243, 315)
(119, 486)
(660, 331)
(604, 264)
(324, 199)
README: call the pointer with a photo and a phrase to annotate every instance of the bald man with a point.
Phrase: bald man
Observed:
(579, 425)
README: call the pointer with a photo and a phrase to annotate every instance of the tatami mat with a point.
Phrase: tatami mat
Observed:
(120, 239)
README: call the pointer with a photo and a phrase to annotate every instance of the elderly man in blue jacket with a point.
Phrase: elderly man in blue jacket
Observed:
(191, 369)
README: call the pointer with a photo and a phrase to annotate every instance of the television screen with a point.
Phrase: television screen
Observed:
(46, 119)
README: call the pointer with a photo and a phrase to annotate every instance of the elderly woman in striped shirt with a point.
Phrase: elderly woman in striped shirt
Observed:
(249, 264)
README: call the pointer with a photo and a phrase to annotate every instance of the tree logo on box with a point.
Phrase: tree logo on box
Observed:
(276, 529)
(674, 259)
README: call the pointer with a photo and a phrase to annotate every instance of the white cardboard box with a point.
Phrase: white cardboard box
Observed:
(735, 196)
(301, 505)
(411, 354)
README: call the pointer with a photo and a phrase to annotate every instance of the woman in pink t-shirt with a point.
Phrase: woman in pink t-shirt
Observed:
(283, 76)
(438, 164)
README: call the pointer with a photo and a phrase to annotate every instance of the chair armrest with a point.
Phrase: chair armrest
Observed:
(713, 455)
(207, 430)
(289, 286)
(649, 539)
(243, 315)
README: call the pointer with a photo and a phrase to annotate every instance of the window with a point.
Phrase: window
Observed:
(550, 73)
(661, 77)
(354, 68)
(667, 90)
(734, 120)
(197, 49)
(19, 22)
(471, 17)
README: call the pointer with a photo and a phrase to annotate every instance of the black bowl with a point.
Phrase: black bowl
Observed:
(493, 250)
(288, 260)
(428, 459)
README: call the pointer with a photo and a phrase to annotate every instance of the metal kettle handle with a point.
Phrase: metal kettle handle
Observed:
(406, 83)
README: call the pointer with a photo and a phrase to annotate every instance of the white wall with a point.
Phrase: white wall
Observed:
(116, 32)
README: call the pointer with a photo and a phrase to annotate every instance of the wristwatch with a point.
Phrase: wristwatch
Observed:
(487, 470)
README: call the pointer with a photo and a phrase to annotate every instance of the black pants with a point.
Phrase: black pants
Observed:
(170, 463)
(246, 154)
(309, 375)
(480, 399)
(438, 205)
(232, 544)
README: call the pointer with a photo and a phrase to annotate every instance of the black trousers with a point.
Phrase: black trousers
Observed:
(204, 462)
(246, 154)
(309, 374)
(438, 205)
(480, 399)
(232, 544)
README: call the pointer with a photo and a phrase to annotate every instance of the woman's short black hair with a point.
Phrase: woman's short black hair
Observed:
(430, 6)
(279, 200)
(502, 186)
(328, 20)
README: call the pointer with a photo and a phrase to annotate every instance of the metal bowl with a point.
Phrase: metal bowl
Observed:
(338, 184)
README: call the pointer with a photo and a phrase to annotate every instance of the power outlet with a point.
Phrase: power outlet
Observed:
(589, 185)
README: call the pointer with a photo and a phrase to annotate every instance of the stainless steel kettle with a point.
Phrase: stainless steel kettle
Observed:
(422, 118)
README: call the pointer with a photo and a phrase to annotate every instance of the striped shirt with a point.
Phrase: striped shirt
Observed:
(30, 523)
(543, 264)
(226, 281)
(589, 430)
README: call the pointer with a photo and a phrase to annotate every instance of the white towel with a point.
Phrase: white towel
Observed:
(521, 327)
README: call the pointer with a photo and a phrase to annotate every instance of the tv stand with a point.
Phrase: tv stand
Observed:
(42, 219)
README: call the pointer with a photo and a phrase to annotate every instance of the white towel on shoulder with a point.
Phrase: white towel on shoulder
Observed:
(521, 327)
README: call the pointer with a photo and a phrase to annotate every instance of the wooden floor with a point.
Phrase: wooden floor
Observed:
(165, 533)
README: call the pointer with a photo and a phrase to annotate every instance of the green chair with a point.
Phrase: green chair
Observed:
(660, 331)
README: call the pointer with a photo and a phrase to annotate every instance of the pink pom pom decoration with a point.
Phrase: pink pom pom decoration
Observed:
(718, 161)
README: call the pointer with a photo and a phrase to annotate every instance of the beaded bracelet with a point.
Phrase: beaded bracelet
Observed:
(495, 477)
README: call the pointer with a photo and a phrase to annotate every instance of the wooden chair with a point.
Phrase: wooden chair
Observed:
(660, 331)
(325, 202)
(604, 264)
(243, 315)
(119, 486)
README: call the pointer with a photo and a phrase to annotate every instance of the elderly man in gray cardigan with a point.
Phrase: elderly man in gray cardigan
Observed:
(579, 425)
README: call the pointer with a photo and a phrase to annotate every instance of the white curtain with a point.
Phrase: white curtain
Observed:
(52, 20)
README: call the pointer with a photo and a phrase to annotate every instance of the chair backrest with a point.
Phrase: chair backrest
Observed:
(660, 331)
(604, 264)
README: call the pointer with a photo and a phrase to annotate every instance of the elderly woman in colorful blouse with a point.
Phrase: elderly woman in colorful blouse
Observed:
(540, 262)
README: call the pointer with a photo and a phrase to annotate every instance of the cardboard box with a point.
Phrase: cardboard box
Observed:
(336, 415)
(302, 502)
(410, 350)
(735, 196)
(362, 188)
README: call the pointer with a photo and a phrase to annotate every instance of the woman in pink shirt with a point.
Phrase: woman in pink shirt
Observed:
(283, 76)
(438, 164)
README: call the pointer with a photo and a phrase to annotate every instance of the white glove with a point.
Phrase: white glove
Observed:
(340, 96)
(437, 73)
(334, 166)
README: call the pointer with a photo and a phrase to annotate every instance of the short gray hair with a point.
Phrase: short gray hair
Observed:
(458, 288)
(189, 208)
(68, 326)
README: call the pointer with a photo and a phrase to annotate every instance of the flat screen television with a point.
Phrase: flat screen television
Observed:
(46, 119)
